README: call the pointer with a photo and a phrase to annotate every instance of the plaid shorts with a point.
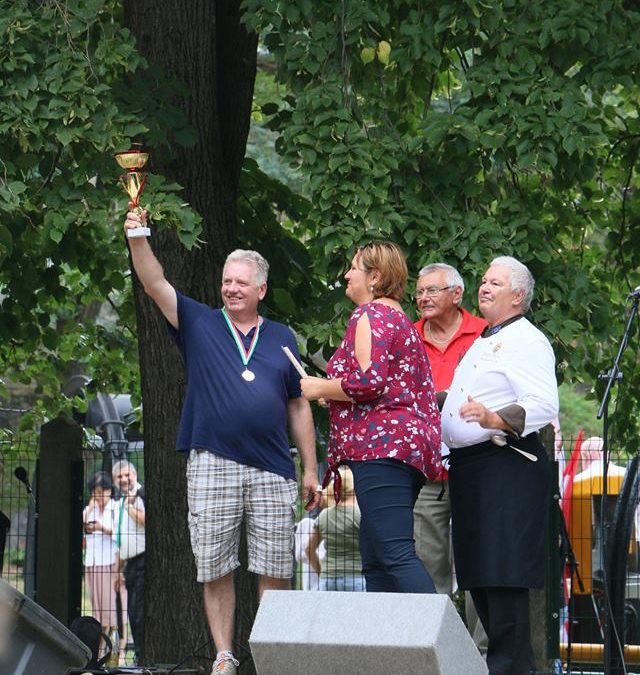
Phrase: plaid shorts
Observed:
(220, 493)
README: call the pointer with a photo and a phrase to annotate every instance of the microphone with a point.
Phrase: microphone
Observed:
(635, 293)
(21, 474)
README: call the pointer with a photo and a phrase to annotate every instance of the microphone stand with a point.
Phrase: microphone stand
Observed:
(610, 377)
(569, 559)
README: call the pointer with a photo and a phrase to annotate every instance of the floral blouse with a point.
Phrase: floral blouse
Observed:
(393, 411)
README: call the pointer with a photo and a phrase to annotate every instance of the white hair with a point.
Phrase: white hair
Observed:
(454, 278)
(123, 464)
(521, 278)
(261, 265)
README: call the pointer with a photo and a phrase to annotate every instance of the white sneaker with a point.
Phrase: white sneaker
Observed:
(225, 664)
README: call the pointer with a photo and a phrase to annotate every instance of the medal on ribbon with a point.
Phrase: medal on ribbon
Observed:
(245, 354)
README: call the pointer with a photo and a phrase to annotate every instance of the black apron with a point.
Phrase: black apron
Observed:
(499, 513)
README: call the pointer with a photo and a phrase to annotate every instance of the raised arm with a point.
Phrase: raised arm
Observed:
(150, 271)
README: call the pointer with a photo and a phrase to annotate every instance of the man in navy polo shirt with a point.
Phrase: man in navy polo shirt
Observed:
(242, 392)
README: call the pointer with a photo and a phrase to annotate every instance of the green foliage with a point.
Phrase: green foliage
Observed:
(15, 557)
(462, 130)
(578, 411)
(459, 129)
(270, 214)
(74, 91)
(267, 97)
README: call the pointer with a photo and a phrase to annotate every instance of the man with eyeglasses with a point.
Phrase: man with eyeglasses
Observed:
(447, 330)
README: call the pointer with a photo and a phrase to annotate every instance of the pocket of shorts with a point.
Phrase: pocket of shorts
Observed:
(292, 486)
(192, 521)
(293, 492)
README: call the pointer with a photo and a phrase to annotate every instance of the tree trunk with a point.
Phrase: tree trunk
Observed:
(202, 44)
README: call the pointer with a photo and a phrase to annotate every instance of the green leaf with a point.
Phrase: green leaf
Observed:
(269, 109)
(284, 299)
(383, 50)
(367, 54)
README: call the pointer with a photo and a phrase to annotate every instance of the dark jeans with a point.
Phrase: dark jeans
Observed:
(504, 613)
(134, 581)
(386, 490)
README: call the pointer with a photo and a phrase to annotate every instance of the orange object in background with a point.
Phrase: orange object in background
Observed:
(583, 652)
(586, 518)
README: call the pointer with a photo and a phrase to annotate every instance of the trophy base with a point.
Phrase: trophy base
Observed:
(138, 232)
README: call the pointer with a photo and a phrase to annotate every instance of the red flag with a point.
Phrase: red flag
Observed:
(568, 477)
(567, 480)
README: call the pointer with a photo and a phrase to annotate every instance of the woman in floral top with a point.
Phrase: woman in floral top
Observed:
(384, 417)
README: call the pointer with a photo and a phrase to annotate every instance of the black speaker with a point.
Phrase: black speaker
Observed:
(32, 642)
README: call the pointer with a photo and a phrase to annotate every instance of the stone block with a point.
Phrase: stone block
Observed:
(332, 633)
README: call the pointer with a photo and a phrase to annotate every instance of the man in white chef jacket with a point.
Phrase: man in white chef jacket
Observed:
(503, 392)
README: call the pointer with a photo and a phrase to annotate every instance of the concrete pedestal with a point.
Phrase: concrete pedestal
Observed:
(331, 633)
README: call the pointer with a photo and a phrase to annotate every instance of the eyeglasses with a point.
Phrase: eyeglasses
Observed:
(430, 291)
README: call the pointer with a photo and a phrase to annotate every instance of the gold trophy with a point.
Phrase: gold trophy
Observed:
(133, 181)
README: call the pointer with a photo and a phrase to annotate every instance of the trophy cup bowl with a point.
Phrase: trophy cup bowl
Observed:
(132, 159)
(133, 182)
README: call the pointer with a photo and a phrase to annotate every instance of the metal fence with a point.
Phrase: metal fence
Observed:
(97, 579)
(17, 514)
(598, 557)
(20, 507)
(594, 571)
(593, 574)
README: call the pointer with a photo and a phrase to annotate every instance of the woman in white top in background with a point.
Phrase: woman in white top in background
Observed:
(101, 550)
